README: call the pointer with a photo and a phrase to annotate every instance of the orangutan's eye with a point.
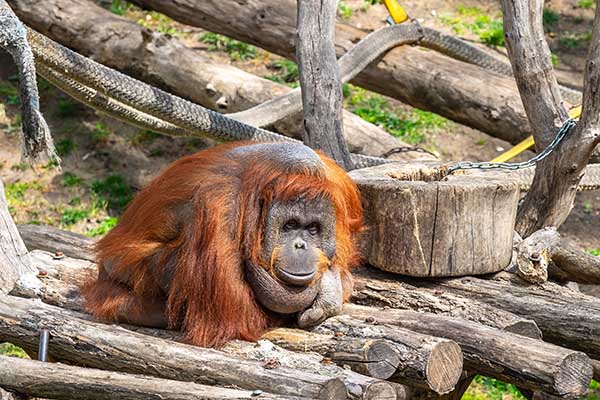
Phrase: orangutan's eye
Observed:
(314, 228)
(290, 225)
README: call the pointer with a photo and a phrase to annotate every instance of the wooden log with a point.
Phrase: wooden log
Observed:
(4, 395)
(47, 238)
(449, 225)
(596, 365)
(569, 261)
(406, 356)
(359, 386)
(59, 381)
(380, 289)
(320, 80)
(513, 358)
(75, 340)
(15, 266)
(566, 317)
(424, 79)
(165, 62)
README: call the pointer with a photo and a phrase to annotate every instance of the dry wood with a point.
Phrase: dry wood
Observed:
(165, 62)
(407, 357)
(459, 225)
(596, 365)
(569, 261)
(15, 266)
(4, 395)
(566, 317)
(526, 362)
(59, 381)
(75, 340)
(320, 80)
(425, 361)
(423, 79)
(380, 289)
(550, 198)
(46, 238)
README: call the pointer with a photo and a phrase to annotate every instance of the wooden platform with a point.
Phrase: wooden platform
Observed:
(423, 222)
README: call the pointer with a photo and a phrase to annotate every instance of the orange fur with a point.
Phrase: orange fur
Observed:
(207, 211)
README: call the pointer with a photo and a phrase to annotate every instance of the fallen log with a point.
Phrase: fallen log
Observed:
(423, 79)
(57, 241)
(513, 358)
(406, 356)
(59, 381)
(75, 340)
(165, 62)
(384, 290)
(566, 317)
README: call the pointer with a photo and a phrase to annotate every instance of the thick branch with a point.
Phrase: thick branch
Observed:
(320, 80)
(59, 381)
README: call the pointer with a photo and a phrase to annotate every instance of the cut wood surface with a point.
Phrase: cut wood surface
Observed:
(381, 289)
(454, 226)
(566, 317)
(165, 62)
(526, 362)
(407, 357)
(424, 79)
(59, 381)
(76, 340)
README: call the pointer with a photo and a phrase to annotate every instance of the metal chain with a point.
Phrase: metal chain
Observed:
(560, 135)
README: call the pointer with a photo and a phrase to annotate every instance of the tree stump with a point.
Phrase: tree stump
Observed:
(423, 222)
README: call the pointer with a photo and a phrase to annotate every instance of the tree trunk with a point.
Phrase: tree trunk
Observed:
(59, 381)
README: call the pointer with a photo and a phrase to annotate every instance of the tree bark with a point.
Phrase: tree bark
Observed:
(550, 198)
(410, 358)
(54, 240)
(165, 62)
(59, 381)
(566, 317)
(320, 80)
(75, 340)
(513, 358)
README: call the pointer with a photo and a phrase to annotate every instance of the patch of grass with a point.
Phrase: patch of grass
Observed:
(474, 20)
(66, 108)
(15, 192)
(119, 7)
(573, 41)
(69, 179)
(144, 137)
(10, 350)
(484, 388)
(586, 3)
(10, 92)
(21, 166)
(550, 18)
(114, 191)
(344, 10)
(71, 216)
(555, 60)
(287, 72)
(106, 225)
(410, 126)
(237, 50)
(64, 147)
(157, 152)
(587, 207)
(481, 142)
(100, 133)
(594, 252)
(160, 23)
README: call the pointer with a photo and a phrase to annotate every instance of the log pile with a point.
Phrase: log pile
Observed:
(398, 339)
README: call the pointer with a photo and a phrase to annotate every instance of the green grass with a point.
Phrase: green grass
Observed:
(574, 41)
(71, 216)
(119, 7)
(66, 108)
(100, 133)
(550, 18)
(412, 126)
(586, 3)
(344, 10)
(64, 147)
(69, 179)
(287, 72)
(10, 350)
(237, 50)
(106, 225)
(555, 60)
(10, 93)
(476, 21)
(159, 22)
(484, 388)
(144, 137)
(594, 252)
(114, 191)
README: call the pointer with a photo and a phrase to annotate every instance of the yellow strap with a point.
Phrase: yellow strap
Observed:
(396, 11)
(575, 112)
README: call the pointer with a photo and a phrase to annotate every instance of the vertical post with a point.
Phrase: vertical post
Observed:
(320, 80)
